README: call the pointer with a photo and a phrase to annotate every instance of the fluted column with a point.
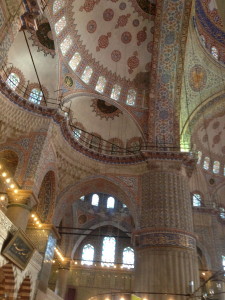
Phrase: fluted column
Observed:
(166, 258)
(19, 207)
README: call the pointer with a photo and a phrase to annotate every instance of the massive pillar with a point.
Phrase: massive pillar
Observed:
(166, 260)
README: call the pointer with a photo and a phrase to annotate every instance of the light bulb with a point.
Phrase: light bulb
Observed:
(4, 174)
(8, 180)
(2, 197)
(15, 191)
(12, 185)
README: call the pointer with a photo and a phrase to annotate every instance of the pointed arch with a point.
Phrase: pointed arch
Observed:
(96, 184)
(46, 197)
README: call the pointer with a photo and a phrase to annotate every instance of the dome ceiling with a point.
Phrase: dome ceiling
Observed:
(114, 38)
(103, 119)
(210, 26)
(210, 138)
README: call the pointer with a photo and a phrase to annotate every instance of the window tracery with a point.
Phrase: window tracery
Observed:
(75, 60)
(108, 251)
(86, 76)
(216, 167)
(128, 258)
(66, 44)
(57, 5)
(115, 94)
(36, 96)
(100, 86)
(88, 255)
(60, 24)
(206, 163)
(13, 81)
(131, 97)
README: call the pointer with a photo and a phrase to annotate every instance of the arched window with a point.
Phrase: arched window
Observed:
(35, 96)
(60, 24)
(216, 167)
(222, 212)
(115, 94)
(128, 258)
(82, 198)
(95, 200)
(65, 45)
(100, 86)
(75, 60)
(223, 262)
(131, 97)
(214, 52)
(110, 202)
(206, 163)
(199, 157)
(108, 251)
(86, 76)
(88, 255)
(196, 200)
(13, 81)
(77, 133)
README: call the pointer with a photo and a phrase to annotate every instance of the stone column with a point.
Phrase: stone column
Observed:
(61, 283)
(166, 257)
(19, 207)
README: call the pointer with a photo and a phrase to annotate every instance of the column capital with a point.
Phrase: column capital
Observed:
(24, 198)
(177, 161)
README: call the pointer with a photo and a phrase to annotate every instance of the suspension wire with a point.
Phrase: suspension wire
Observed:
(31, 56)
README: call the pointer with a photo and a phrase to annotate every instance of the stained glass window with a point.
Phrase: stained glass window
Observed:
(60, 25)
(214, 52)
(108, 251)
(58, 4)
(88, 255)
(196, 200)
(86, 76)
(95, 200)
(13, 81)
(128, 258)
(110, 202)
(75, 60)
(100, 84)
(65, 45)
(222, 212)
(77, 133)
(216, 167)
(116, 92)
(35, 96)
(131, 97)
(206, 163)
(199, 157)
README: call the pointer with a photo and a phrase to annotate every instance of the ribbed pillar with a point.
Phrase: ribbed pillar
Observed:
(166, 258)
